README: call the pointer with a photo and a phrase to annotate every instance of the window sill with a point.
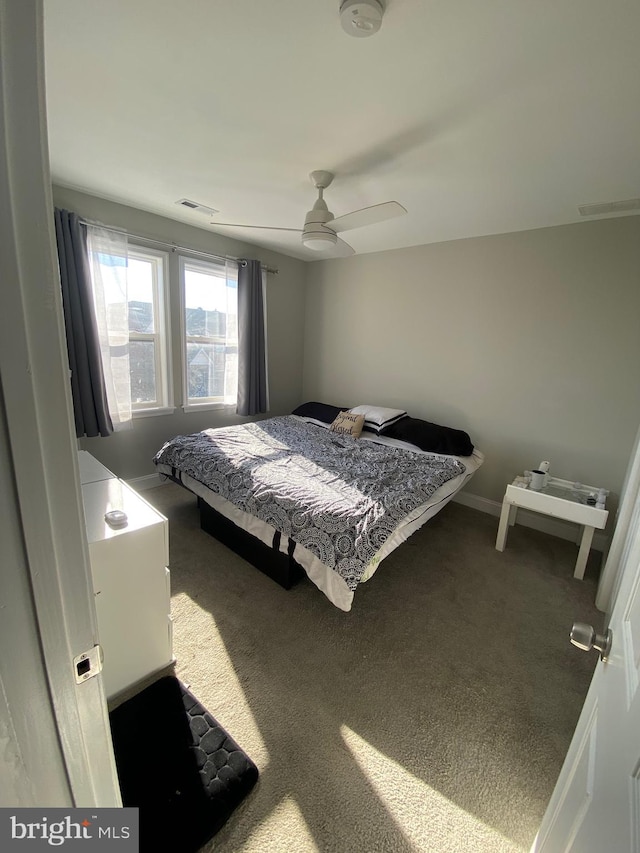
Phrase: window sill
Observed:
(206, 407)
(151, 413)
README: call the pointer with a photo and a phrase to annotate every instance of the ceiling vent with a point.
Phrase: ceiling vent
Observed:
(197, 207)
(609, 207)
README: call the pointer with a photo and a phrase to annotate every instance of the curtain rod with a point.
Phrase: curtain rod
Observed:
(173, 246)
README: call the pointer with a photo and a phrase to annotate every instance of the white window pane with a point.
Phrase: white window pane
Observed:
(140, 296)
(210, 304)
(113, 272)
(211, 332)
(211, 370)
(206, 324)
(142, 366)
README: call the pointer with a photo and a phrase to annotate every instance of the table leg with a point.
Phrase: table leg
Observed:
(503, 526)
(512, 515)
(583, 553)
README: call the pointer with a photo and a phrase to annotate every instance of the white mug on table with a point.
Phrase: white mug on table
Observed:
(537, 480)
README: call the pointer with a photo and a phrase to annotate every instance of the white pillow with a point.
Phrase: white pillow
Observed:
(378, 418)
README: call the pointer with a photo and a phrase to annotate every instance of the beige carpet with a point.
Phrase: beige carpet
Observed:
(434, 716)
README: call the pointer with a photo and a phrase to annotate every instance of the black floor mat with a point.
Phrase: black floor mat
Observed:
(178, 766)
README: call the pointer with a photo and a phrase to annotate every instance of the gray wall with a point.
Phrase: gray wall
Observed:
(528, 341)
(129, 453)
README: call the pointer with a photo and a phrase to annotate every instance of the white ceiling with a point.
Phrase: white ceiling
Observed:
(479, 116)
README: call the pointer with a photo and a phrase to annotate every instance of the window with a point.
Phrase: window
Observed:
(130, 290)
(148, 355)
(131, 285)
(210, 332)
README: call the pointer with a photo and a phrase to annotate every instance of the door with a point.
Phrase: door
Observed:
(596, 803)
(45, 567)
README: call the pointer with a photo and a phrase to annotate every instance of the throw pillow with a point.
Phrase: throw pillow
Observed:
(432, 438)
(348, 424)
(319, 411)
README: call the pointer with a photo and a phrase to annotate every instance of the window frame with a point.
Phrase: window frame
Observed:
(161, 286)
(208, 403)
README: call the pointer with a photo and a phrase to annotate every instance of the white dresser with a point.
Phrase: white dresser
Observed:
(91, 470)
(131, 579)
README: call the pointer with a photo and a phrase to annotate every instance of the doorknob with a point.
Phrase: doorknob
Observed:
(584, 637)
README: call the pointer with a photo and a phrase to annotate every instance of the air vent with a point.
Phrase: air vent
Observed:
(199, 208)
(609, 207)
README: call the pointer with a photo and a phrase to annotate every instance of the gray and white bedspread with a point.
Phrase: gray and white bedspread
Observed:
(339, 497)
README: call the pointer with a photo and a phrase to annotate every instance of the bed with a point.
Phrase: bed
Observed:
(327, 491)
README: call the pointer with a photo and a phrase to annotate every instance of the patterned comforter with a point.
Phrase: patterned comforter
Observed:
(339, 497)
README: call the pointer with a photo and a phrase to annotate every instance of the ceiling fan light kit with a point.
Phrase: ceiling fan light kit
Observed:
(319, 240)
(361, 18)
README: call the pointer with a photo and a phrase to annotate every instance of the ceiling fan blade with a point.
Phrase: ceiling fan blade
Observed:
(342, 249)
(366, 216)
(264, 227)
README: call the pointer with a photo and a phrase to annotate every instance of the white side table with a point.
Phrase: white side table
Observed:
(559, 499)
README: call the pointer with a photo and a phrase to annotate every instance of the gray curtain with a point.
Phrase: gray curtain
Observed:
(88, 391)
(253, 395)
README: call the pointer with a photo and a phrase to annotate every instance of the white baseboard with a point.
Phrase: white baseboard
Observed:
(149, 481)
(544, 523)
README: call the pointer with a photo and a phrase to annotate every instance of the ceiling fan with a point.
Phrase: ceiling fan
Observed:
(321, 228)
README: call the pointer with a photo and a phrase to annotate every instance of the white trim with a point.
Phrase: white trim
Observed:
(161, 338)
(189, 405)
(610, 577)
(40, 425)
(476, 502)
(266, 335)
(143, 484)
(207, 407)
(536, 521)
(152, 413)
(31, 769)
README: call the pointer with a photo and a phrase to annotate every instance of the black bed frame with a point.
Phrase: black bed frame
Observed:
(281, 568)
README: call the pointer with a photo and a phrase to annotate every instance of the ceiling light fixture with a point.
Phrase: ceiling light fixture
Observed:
(319, 239)
(361, 18)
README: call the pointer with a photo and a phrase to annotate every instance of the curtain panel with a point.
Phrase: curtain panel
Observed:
(88, 390)
(253, 392)
(108, 263)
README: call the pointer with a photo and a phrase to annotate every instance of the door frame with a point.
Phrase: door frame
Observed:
(609, 583)
(43, 486)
